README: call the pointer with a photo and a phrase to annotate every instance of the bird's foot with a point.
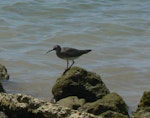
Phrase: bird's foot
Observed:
(66, 70)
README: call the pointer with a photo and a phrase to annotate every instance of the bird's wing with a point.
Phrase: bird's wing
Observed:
(72, 52)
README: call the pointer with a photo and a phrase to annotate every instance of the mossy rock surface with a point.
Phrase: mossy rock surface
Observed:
(143, 110)
(111, 102)
(81, 83)
(145, 100)
(72, 102)
(111, 114)
(24, 106)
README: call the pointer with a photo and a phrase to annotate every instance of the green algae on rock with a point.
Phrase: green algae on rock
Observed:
(145, 101)
(81, 83)
(143, 110)
(111, 102)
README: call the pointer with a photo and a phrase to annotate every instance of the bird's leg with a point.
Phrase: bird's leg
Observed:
(67, 67)
(72, 64)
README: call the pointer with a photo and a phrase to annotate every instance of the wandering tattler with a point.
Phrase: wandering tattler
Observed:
(68, 54)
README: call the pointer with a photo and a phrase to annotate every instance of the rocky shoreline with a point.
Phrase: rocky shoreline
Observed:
(77, 93)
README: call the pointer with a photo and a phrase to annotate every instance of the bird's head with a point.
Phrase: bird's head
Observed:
(56, 48)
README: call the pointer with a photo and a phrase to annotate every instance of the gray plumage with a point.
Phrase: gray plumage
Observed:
(68, 53)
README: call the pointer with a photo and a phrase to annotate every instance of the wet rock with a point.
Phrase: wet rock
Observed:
(23, 106)
(1, 88)
(72, 102)
(81, 83)
(3, 73)
(143, 110)
(111, 102)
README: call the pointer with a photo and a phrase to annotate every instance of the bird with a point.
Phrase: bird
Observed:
(68, 54)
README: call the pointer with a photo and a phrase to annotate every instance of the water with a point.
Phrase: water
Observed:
(117, 31)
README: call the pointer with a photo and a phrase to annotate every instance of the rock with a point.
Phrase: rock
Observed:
(143, 110)
(111, 102)
(71, 102)
(1, 88)
(3, 73)
(145, 101)
(85, 91)
(112, 114)
(23, 106)
(3, 115)
(81, 83)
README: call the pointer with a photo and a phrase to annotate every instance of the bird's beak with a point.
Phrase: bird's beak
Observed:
(49, 51)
